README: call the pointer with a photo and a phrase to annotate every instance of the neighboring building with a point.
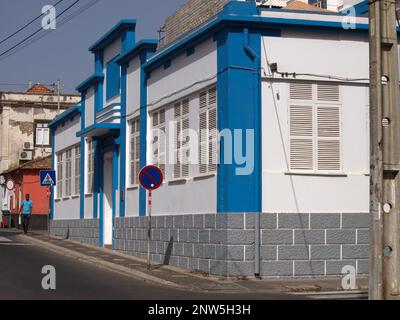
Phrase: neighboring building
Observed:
(292, 84)
(27, 181)
(24, 132)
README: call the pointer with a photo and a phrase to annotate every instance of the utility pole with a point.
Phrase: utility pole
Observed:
(384, 280)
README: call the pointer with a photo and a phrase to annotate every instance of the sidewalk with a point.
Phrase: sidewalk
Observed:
(183, 279)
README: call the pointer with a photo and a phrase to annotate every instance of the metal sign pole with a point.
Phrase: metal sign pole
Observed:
(149, 235)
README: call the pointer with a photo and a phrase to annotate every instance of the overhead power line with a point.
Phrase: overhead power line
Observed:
(37, 31)
(26, 25)
(38, 36)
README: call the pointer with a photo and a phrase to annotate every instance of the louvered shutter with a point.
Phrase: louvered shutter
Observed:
(203, 143)
(328, 92)
(208, 140)
(328, 141)
(39, 136)
(301, 138)
(46, 136)
(177, 143)
(159, 139)
(301, 91)
(185, 152)
(213, 145)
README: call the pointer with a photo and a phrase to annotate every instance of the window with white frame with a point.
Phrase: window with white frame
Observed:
(90, 166)
(315, 128)
(60, 175)
(68, 172)
(181, 140)
(77, 188)
(208, 135)
(42, 134)
(134, 152)
(159, 142)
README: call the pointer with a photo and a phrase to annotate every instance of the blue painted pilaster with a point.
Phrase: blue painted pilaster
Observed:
(53, 167)
(143, 129)
(123, 148)
(96, 178)
(83, 157)
(239, 107)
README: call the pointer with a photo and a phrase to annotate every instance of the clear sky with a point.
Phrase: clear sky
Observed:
(63, 53)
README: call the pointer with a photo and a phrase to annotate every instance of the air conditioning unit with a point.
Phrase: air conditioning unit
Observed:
(26, 156)
(28, 146)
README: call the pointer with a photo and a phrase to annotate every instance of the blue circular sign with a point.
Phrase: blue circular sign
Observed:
(151, 178)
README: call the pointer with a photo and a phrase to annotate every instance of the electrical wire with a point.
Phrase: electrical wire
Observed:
(26, 25)
(59, 24)
(37, 31)
(294, 75)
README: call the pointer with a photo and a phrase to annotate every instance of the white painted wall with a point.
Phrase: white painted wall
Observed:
(341, 54)
(88, 212)
(89, 107)
(132, 202)
(110, 53)
(194, 195)
(184, 71)
(67, 209)
(304, 193)
(133, 88)
(65, 136)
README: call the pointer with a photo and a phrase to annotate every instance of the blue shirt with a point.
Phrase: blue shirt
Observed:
(27, 207)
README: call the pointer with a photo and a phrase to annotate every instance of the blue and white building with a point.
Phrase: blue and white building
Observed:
(289, 87)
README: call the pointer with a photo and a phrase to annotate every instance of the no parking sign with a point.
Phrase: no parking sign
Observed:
(150, 178)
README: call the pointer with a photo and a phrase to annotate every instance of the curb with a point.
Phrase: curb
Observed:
(105, 264)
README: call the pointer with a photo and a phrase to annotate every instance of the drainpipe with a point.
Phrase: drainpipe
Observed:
(257, 226)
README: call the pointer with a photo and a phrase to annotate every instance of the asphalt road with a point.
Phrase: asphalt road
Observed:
(21, 278)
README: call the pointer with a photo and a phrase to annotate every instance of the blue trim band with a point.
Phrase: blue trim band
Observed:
(104, 115)
(143, 45)
(66, 115)
(245, 14)
(90, 82)
(98, 126)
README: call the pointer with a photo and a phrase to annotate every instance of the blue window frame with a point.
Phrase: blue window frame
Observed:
(113, 79)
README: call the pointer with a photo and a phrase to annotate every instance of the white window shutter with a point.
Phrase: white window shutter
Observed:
(203, 143)
(213, 136)
(328, 92)
(301, 91)
(301, 138)
(177, 147)
(328, 144)
(39, 136)
(46, 136)
(185, 146)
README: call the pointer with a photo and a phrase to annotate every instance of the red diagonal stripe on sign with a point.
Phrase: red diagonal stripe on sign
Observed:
(150, 177)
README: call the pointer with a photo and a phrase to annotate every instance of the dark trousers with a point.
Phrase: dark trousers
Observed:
(25, 222)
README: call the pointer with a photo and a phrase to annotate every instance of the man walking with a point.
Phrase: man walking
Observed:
(26, 210)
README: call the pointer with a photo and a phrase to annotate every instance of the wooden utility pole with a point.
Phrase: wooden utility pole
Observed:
(385, 152)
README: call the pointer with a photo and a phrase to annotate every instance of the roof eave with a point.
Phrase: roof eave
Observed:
(112, 35)
(148, 44)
